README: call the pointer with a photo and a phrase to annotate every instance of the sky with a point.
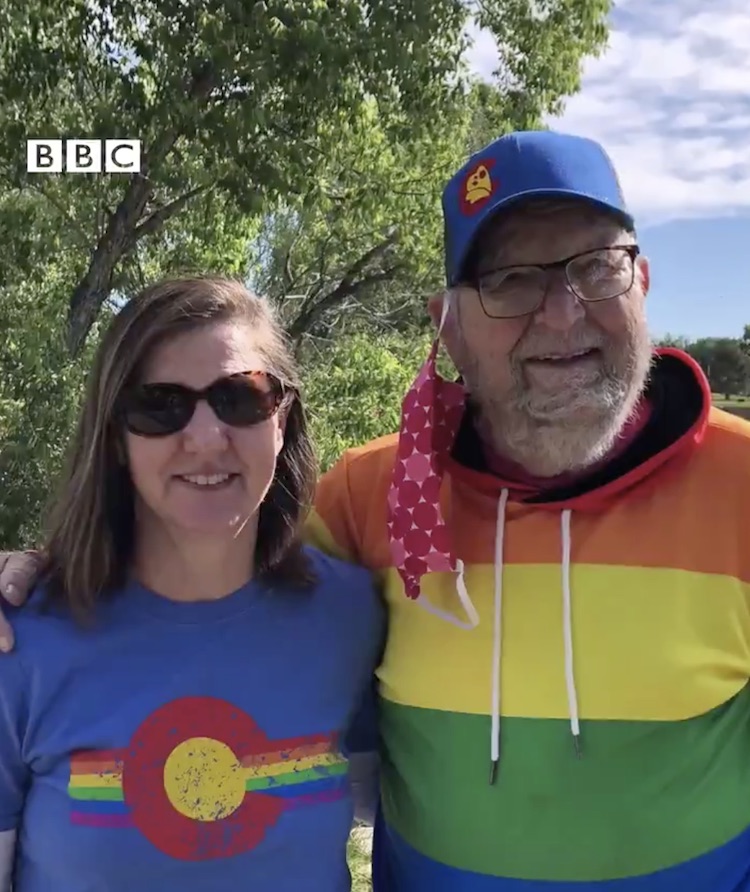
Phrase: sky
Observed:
(670, 101)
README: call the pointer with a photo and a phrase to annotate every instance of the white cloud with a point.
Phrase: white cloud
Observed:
(670, 100)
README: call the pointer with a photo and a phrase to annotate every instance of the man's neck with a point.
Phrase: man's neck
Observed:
(522, 481)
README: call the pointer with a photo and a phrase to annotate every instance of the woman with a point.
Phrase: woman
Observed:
(174, 715)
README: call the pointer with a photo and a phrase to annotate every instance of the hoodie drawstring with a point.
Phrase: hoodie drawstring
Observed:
(570, 684)
(497, 638)
(570, 679)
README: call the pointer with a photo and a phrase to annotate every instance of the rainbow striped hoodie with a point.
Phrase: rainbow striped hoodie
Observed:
(625, 611)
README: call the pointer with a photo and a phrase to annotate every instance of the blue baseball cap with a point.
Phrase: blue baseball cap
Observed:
(520, 166)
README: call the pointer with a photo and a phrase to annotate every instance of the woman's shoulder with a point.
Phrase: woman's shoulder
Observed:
(352, 587)
(32, 638)
(42, 628)
(348, 597)
(335, 572)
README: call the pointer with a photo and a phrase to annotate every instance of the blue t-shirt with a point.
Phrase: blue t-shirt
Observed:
(189, 747)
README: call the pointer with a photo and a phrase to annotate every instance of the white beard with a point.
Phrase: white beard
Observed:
(567, 431)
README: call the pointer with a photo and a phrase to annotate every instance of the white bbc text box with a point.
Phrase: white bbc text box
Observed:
(121, 156)
(44, 155)
(83, 156)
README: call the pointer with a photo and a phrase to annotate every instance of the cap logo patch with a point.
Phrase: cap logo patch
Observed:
(478, 187)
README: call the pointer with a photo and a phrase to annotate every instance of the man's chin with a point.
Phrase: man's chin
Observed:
(560, 445)
(571, 409)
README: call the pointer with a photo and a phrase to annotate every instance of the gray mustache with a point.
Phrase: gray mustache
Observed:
(555, 347)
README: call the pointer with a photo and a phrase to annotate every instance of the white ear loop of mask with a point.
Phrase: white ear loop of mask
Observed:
(444, 312)
(463, 594)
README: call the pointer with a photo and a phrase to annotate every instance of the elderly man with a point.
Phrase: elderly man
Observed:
(562, 536)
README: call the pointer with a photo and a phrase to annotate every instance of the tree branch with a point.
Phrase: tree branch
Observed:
(320, 274)
(341, 295)
(369, 256)
(288, 276)
(154, 222)
(350, 286)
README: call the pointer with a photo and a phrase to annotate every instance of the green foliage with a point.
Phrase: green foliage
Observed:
(678, 341)
(362, 245)
(726, 366)
(726, 361)
(39, 391)
(541, 45)
(354, 387)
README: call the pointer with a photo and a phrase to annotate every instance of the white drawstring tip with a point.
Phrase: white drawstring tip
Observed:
(497, 645)
(493, 772)
(577, 746)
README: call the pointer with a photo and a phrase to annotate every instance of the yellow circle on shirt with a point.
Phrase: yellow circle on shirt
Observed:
(203, 779)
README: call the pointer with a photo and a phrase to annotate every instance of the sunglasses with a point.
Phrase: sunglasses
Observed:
(242, 400)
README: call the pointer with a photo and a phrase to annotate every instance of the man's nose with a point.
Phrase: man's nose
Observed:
(561, 308)
(205, 431)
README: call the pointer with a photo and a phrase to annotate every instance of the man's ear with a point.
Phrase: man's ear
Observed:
(450, 335)
(435, 307)
(644, 271)
(437, 304)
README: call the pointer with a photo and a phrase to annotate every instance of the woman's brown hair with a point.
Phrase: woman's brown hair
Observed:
(90, 542)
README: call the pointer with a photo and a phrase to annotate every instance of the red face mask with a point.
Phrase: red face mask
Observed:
(420, 541)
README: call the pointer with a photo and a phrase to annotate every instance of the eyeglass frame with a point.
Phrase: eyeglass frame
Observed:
(633, 251)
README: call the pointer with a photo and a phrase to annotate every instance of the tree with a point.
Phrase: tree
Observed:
(237, 103)
(363, 244)
(726, 366)
(730, 368)
(39, 394)
(670, 340)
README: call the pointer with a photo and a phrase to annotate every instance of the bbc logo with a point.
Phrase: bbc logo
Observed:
(83, 155)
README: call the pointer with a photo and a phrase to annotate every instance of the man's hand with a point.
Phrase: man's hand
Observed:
(19, 571)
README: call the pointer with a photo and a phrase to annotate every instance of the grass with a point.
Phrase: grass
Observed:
(359, 859)
(734, 402)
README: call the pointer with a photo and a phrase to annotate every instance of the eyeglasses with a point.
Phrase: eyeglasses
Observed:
(241, 400)
(600, 274)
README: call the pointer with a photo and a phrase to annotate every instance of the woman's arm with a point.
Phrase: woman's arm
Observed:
(7, 855)
(363, 746)
(364, 771)
(14, 772)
